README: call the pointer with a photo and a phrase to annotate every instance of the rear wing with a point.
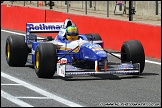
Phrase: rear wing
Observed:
(43, 27)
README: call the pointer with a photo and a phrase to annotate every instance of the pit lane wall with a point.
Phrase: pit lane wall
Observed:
(113, 32)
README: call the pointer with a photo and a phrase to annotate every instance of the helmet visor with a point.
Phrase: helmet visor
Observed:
(72, 38)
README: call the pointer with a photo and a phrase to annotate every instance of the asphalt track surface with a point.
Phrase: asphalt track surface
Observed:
(21, 87)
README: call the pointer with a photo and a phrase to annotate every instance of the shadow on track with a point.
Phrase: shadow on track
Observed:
(103, 77)
(97, 77)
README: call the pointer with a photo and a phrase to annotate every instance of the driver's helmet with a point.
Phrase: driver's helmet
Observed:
(68, 22)
(72, 33)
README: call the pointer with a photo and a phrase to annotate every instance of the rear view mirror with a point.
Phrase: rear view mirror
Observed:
(91, 38)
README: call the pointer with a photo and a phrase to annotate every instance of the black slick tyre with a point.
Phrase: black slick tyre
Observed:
(133, 51)
(16, 50)
(45, 60)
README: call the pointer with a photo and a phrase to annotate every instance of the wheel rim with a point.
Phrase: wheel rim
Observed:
(8, 51)
(37, 60)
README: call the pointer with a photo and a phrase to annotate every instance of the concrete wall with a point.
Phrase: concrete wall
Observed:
(113, 32)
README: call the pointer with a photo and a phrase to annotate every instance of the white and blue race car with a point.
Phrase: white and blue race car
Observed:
(83, 56)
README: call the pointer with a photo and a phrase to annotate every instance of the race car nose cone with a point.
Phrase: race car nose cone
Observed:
(101, 54)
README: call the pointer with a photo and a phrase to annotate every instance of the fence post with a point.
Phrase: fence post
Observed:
(37, 3)
(130, 10)
(82, 4)
(67, 6)
(12, 2)
(90, 4)
(156, 7)
(50, 3)
(107, 8)
(86, 7)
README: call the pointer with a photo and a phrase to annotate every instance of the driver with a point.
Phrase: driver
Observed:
(72, 33)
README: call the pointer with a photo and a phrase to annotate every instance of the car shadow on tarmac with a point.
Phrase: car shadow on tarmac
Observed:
(105, 77)
(98, 76)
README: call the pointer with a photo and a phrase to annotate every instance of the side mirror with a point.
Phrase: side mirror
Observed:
(91, 38)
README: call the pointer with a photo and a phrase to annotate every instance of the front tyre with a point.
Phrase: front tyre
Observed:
(133, 51)
(45, 60)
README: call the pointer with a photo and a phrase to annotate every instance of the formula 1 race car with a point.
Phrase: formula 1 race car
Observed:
(83, 56)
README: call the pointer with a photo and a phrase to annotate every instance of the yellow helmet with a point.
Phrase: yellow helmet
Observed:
(72, 33)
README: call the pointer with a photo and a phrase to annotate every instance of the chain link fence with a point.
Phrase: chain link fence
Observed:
(145, 11)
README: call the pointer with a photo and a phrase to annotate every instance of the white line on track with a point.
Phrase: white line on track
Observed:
(148, 61)
(33, 97)
(153, 62)
(36, 89)
(15, 32)
(14, 99)
(11, 84)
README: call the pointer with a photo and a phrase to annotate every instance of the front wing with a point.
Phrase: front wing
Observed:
(64, 69)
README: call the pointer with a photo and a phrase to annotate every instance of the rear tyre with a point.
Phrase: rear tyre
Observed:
(16, 50)
(96, 36)
(133, 51)
(45, 60)
(49, 38)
